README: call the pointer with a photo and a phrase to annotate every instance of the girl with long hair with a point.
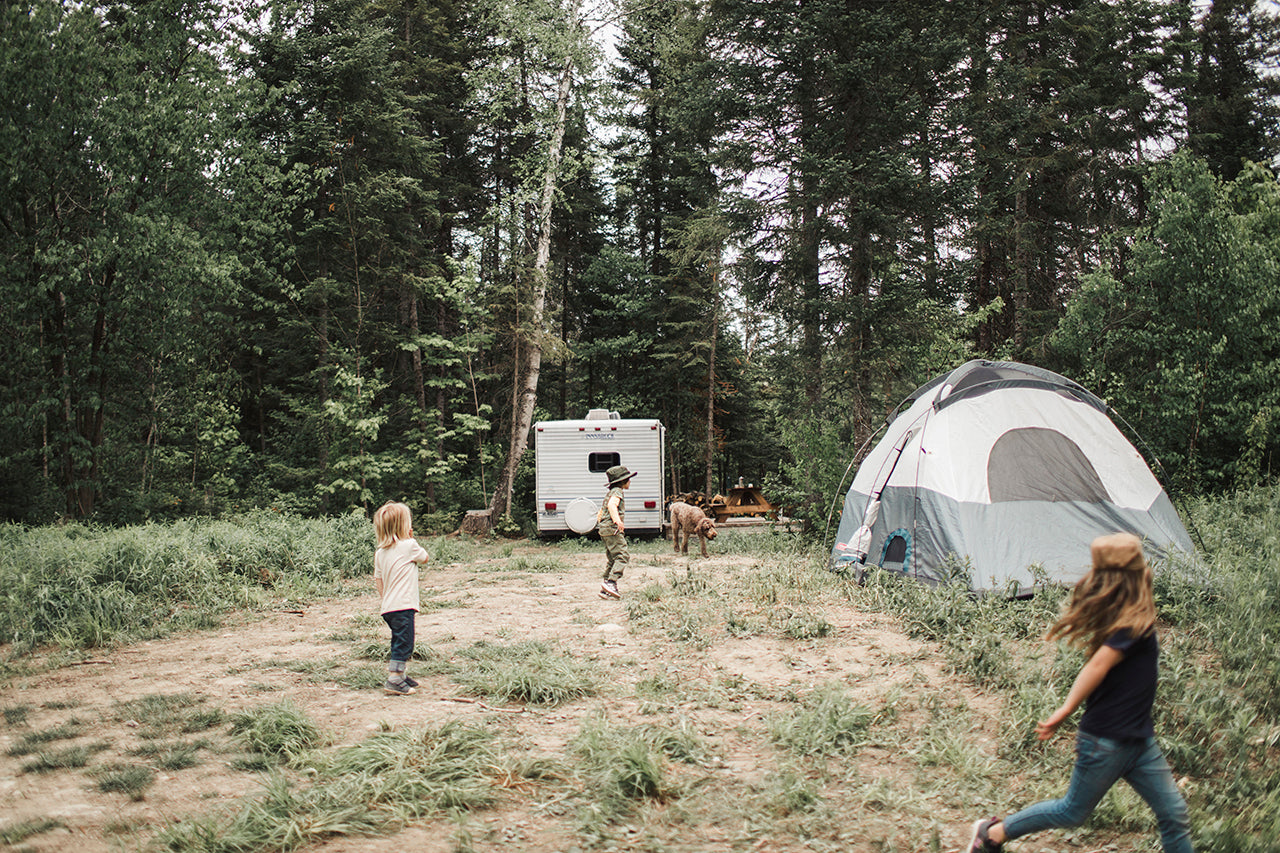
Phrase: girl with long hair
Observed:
(1112, 616)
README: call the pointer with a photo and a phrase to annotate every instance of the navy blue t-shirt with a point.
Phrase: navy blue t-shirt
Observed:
(1120, 707)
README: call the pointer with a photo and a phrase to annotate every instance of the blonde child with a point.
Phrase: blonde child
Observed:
(1112, 616)
(395, 574)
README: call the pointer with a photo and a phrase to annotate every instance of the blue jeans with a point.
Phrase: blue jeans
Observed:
(1100, 763)
(401, 624)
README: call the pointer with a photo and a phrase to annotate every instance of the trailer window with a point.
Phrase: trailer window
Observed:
(598, 463)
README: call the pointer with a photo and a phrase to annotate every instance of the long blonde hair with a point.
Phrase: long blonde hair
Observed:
(1116, 593)
(391, 523)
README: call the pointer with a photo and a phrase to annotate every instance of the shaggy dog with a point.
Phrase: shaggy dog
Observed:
(687, 519)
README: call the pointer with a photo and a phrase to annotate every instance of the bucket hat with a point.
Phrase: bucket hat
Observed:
(618, 475)
(1118, 552)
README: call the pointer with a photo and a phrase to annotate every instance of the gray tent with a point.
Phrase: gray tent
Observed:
(1005, 466)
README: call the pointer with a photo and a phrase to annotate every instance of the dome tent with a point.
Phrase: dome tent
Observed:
(1005, 466)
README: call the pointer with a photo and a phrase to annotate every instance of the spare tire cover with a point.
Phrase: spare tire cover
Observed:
(580, 515)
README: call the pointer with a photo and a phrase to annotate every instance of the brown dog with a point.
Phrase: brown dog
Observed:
(687, 519)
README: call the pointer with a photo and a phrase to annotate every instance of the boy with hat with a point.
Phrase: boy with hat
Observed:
(609, 522)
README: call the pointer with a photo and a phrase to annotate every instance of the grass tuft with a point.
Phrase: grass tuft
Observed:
(372, 788)
(530, 671)
(130, 780)
(16, 715)
(32, 741)
(69, 758)
(626, 764)
(281, 731)
(21, 831)
(826, 723)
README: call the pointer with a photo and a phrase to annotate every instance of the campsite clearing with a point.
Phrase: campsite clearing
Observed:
(787, 718)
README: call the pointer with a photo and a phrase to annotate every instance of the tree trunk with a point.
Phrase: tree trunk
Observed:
(530, 362)
(711, 387)
(1022, 262)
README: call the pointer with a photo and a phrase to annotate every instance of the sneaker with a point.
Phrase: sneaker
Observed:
(609, 589)
(397, 688)
(409, 681)
(981, 842)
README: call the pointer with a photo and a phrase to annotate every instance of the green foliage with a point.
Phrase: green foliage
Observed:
(282, 260)
(1183, 342)
(81, 587)
(108, 206)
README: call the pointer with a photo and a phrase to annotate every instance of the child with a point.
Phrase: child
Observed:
(395, 574)
(1112, 615)
(609, 522)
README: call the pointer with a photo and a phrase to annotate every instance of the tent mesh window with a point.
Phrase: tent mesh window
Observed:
(1038, 464)
(897, 551)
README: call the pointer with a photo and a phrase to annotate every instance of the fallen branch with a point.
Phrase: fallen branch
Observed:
(480, 704)
(89, 662)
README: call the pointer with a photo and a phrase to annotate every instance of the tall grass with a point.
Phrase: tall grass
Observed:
(620, 765)
(80, 587)
(1218, 709)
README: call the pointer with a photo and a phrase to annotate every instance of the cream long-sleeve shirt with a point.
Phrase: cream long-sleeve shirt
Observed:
(395, 574)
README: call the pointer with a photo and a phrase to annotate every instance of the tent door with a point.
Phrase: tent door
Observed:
(896, 556)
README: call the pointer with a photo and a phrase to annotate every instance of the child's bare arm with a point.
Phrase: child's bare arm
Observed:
(1091, 675)
(613, 511)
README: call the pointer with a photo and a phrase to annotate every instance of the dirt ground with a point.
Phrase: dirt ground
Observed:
(253, 660)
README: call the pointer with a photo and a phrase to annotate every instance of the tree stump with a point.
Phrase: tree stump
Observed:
(478, 522)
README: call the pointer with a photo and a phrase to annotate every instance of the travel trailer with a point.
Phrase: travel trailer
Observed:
(571, 458)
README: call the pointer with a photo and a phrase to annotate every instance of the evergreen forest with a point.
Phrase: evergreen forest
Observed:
(312, 255)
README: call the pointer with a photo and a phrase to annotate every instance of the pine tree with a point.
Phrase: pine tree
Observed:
(1233, 111)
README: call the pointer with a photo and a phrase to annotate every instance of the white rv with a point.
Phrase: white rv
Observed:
(571, 458)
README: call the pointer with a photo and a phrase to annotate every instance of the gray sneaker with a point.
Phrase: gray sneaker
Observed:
(397, 688)
(981, 842)
(609, 589)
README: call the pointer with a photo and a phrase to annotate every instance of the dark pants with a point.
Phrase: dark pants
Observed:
(401, 624)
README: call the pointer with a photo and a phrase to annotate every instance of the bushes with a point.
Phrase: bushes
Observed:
(79, 587)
